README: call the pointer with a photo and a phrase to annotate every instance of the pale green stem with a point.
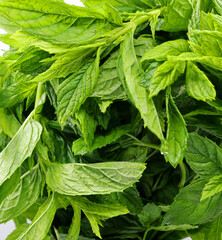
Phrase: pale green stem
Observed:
(183, 174)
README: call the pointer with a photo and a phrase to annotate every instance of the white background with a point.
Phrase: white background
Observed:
(6, 229)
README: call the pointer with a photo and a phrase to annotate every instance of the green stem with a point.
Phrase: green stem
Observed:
(130, 25)
(142, 144)
(25, 174)
(145, 234)
(39, 93)
(183, 174)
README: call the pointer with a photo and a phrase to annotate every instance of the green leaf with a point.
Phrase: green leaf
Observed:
(30, 61)
(108, 85)
(130, 76)
(17, 232)
(182, 227)
(61, 24)
(218, 6)
(94, 221)
(9, 185)
(130, 198)
(162, 51)
(177, 16)
(42, 221)
(213, 187)
(87, 125)
(177, 135)
(16, 93)
(116, 3)
(4, 72)
(82, 179)
(65, 64)
(203, 156)
(19, 148)
(148, 74)
(149, 214)
(206, 30)
(165, 75)
(188, 209)
(79, 147)
(105, 211)
(24, 195)
(8, 122)
(75, 226)
(73, 92)
(208, 231)
(198, 85)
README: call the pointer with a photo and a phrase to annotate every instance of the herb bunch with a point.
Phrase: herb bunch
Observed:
(110, 119)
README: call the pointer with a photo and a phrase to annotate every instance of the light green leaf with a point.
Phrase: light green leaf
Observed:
(177, 16)
(88, 125)
(104, 210)
(148, 74)
(108, 85)
(16, 93)
(206, 31)
(130, 75)
(8, 122)
(165, 75)
(58, 23)
(75, 226)
(65, 64)
(24, 195)
(162, 51)
(96, 212)
(116, 3)
(218, 6)
(213, 187)
(42, 221)
(4, 72)
(197, 83)
(79, 147)
(177, 135)
(19, 148)
(203, 156)
(30, 61)
(94, 221)
(73, 92)
(17, 232)
(88, 179)
(182, 227)
(9, 185)
(188, 209)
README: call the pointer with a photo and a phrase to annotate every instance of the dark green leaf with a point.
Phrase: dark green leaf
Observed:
(203, 156)
(188, 209)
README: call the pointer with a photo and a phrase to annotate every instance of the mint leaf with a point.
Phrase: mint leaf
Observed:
(177, 134)
(24, 195)
(19, 148)
(187, 207)
(203, 156)
(73, 92)
(42, 221)
(82, 179)
(212, 187)
(198, 85)
(131, 77)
